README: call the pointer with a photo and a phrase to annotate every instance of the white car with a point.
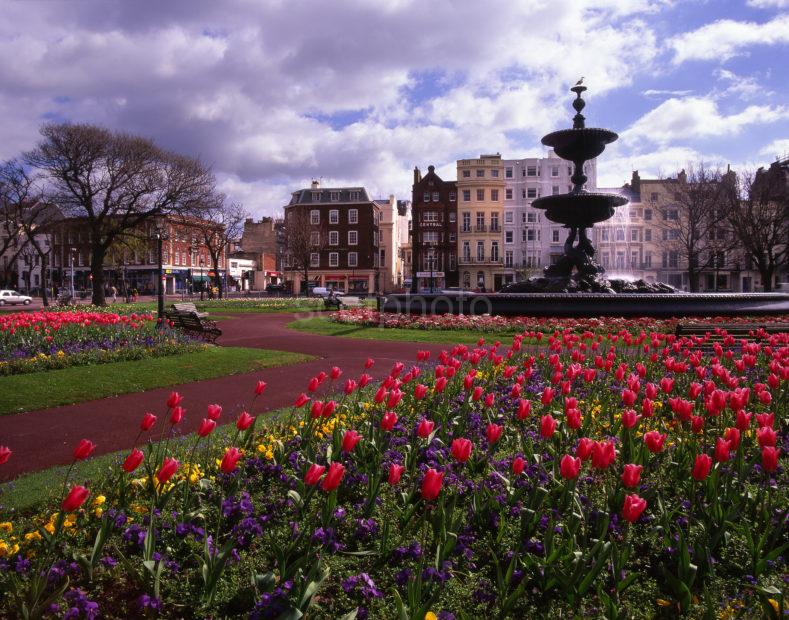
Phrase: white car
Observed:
(12, 297)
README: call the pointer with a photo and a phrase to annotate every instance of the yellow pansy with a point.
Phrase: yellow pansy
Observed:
(6, 526)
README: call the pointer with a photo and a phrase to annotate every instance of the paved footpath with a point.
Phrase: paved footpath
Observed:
(42, 439)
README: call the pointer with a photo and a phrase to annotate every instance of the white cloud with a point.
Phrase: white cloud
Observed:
(614, 169)
(769, 4)
(696, 117)
(662, 93)
(776, 149)
(725, 38)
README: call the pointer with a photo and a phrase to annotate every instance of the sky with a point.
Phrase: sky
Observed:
(275, 93)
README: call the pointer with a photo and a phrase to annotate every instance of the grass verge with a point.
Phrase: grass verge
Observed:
(52, 388)
(30, 492)
(325, 327)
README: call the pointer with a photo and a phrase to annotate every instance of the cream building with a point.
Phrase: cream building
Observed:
(480, 184)
(393, 231)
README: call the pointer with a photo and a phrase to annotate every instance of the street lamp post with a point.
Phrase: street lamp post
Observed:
(71, 261)
(159, 235)
(202, 282)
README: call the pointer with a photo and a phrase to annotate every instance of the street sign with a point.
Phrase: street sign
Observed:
(429, 274)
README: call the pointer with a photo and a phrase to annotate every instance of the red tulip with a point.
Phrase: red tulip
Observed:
(585, 447)
(570, 467)
(177, 415)
(766, 437)
(524, 409)
(206, 427)
(349, 440)
(770, 456)
(174, 400)
(628, 397)
(489, 399)
(84, 449)
(335, 373)
(314, 474)
(333, 477)
(629, 418)
(654, 441)
(425, 428)
(302, 400)
(388, 420)
(722, 449)
(75, 498)
(518, 465)
(493, 432)
(260, 387)
(420, 391)
(214, 411)
(603, 454)
(743, 420)
(316, 409)
(732, 435)
(230, 459)
(364, 380)
(696, 423)
(651, 391)
(395, 396)
(431, 484)
(547, 395)
(647, 408)
(166, 471)
(631, 475)
(328, 408)
(313, 384)
(765, 419)
(5, 454)
(133, 460)
(369, 363)
(765, 397)
(350, 386)
(547, 426)
(633, 507)
(667, 384)
(148, 420)
(461, 449)
(244, 421)
(395, 471)
(701, 467)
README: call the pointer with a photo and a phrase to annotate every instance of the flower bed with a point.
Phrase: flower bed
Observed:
(605, 475)
(34, 341)
(487, 323)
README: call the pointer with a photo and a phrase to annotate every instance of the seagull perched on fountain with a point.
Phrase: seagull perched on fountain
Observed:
(579, 82)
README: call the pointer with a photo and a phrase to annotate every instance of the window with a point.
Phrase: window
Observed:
(315, 217)
(530, 235)
(353, 216)
(494, 173)
(480, 174)
(177, 256)
(555, 190)
(523, 193)
(466, 174)
(334, 196)
(426, 197)
(634, 259)
(620, 234)
(383, 256)
(480, 220)
(647, 234)
(466, 195)
(480, 251)
(452, 197)
(466, 279)
(353, 237)
(494, 195)
(508, 258)
(334, 259)
(648, 259)
(494, 222)
(647, 214)
(334, 237)
(315, 238)
(355, 195)
(480, 194)
(353, 259)
(466, 221)
(315, 259)
(430, 216)
(620, 260)
(452, 265)
(569, 171)
(508, 217)
(452, 217)
(508, 194)
(633, 234)
(653, 197)
(334, 216)
(494, 251)
(452, 237)
(316, 196)
(508, 173)
(531, 192)
(530, 217)
(375, 237)
(508, 234)
(435, 197)
(531, 171)
(554, 171)
(466, 251)
(604, 234)
(606, 259)
(430, 237)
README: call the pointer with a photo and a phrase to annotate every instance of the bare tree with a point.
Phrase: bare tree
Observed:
(116, 182)
(759, 217)
(691, 222)
(222, 224)
(12, 238)
(302, 240)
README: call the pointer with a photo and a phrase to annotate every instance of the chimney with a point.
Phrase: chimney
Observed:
(417, 175)
(682, 177)
(635, 183)
(316, 184)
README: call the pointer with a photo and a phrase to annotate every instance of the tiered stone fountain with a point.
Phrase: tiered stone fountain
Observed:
(577, 270)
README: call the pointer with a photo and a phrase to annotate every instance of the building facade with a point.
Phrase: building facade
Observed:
(393, 225)
(480, 192)
(434, 232)
(343, 223)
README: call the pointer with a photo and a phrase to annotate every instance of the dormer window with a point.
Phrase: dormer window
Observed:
(334, 196)
(354, 195)
(316, 196)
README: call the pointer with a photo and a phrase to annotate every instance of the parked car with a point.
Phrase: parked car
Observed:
(12, 297)
(275, 288)
(321, 291)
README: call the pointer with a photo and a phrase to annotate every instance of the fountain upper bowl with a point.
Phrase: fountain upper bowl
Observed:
(579, 144)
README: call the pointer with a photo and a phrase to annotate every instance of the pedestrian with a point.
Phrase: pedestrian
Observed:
(114, 292)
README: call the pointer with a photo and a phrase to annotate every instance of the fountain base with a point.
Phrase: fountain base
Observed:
(589, 282)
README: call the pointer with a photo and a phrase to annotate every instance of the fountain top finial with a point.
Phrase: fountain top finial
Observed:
(579, 104)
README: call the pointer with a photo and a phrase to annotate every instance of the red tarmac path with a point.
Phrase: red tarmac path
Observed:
(45, 438)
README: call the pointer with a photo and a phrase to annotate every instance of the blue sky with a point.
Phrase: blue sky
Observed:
(275, 93)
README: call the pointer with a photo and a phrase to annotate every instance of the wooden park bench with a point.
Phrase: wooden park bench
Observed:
(341, 301)
(193, 322)
(716, 332)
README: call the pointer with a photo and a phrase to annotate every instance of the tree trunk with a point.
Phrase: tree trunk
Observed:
(767, 274)
(306, 283)
(97, 271)
(693, 280)
(44, 281)
(217, 278)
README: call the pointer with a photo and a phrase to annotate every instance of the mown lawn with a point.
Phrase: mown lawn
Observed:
(40, 390)
(325, 327)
